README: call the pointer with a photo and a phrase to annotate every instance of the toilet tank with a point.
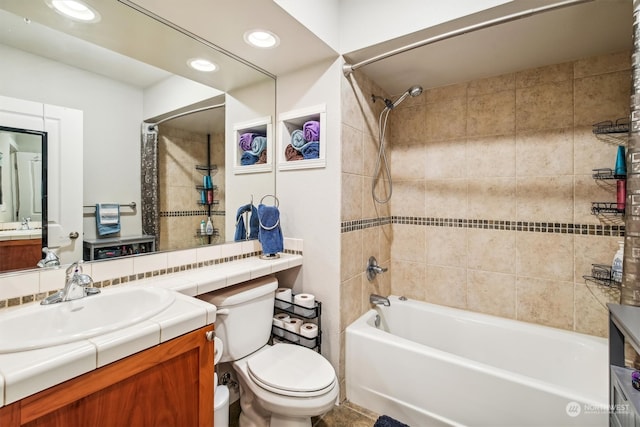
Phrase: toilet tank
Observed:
(244, 316)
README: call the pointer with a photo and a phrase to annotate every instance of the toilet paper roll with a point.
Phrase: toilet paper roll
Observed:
(278, 320)
(283, 294)
(305, 304)
(283, 298)
(292, 325)
(218, 348)
(309, 330)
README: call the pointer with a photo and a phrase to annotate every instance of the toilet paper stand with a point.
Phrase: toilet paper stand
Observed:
(306, 314)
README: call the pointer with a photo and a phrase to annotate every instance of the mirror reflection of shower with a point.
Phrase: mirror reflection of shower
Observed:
(381, 160)
(190, 145)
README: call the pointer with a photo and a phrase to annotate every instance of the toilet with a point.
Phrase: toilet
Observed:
(281, 385)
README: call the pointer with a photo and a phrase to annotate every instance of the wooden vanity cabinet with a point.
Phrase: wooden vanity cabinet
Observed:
(19, 254)
(167, 385)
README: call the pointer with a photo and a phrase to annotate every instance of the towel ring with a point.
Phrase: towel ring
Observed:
(277, 204)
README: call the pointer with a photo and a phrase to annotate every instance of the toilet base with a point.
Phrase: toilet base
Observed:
(274, 421)
(284, 421)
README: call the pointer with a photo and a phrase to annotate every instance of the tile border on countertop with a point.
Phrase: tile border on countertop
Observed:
(25, 299)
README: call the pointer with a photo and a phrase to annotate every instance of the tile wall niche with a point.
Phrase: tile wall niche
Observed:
(180, 213)
(492, 192)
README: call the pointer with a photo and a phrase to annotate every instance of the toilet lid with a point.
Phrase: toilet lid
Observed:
(291, 369)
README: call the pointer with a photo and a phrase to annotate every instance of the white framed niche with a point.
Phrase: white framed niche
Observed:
(288, 122)
(261, 126)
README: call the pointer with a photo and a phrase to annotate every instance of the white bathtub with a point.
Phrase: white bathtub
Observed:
(428, 365)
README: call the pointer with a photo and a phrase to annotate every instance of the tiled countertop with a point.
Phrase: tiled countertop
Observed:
(25, 373)
(20, 234)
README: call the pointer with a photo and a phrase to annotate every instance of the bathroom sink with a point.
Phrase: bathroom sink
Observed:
(38, 326)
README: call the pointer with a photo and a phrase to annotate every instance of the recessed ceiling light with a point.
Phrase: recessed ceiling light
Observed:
(202, 65)
(261, 38)
(75, 9)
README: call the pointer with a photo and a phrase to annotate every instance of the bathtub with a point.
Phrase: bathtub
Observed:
(429, 365)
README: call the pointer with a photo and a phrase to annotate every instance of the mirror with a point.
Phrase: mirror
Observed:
(23, 207)
(119, 79)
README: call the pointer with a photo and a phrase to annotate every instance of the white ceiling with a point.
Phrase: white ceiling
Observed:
(557, 36)
(569, 33)
(594, 28)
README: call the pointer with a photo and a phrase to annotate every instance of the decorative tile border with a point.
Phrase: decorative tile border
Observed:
(488, 224)
(12, 302)
(191, 213)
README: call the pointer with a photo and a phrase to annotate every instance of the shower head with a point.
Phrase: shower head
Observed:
(413, 91)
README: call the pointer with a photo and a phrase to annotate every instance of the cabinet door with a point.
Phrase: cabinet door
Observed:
(168, 385)
(10, 415)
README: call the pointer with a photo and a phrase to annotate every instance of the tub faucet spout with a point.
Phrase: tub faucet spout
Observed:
(379, 300)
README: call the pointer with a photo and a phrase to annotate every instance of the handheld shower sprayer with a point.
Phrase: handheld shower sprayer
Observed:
(382, 165)
(413, 91)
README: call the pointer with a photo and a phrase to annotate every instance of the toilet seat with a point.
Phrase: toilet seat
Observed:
(291, 370)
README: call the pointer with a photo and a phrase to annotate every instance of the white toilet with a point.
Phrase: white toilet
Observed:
(281, 385)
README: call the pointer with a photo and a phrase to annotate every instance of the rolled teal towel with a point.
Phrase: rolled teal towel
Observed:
(258, 145)
(248, 158)
(311, 150)
(297, 139)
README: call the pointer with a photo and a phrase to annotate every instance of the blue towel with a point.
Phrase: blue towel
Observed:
(107, 218)
(297, 139)
(311, 150)
(248, 158)
(270, 234)
(254, 223)
(258, 145)
(387, 421)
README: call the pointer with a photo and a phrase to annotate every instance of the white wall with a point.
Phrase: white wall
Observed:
(242, 106)
(112, 118)
(310, 198)
(322, 19)
(174, 93)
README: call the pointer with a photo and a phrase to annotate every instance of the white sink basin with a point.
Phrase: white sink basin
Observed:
(38, 326)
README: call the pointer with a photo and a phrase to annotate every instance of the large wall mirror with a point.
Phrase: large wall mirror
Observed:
(127, 76)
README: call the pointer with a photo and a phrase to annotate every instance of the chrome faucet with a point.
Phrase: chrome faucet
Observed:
(379, 300)
(373, 269)
(77, 285)
(25, 225)
(50, 259)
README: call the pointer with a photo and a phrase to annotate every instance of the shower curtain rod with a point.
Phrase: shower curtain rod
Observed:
(186, 113)
(347, 68)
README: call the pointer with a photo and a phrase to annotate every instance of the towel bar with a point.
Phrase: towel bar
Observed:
(131, 205)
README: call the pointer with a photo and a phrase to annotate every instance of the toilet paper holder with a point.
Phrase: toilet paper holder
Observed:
(306, 314)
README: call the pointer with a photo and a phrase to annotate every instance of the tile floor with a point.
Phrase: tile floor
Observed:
(344, 415)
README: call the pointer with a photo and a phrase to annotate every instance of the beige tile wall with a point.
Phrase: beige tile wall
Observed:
(359, 150)
(516, 147)
(180, 152)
